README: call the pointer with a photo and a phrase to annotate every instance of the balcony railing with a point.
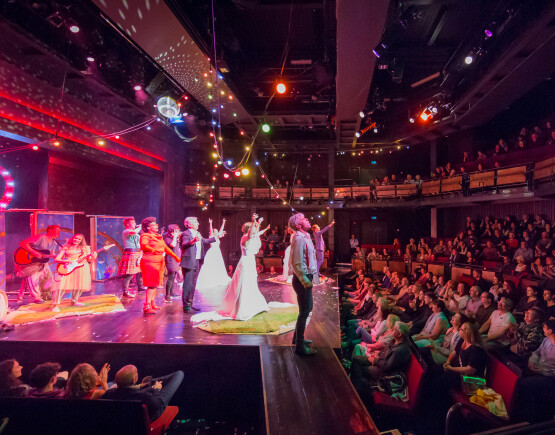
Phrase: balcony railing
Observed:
(523, 175)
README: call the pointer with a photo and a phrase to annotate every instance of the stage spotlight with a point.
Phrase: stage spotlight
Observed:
(411, 120)
(148, 127)
(265, 128)
(425, 115)
(35, 148)
(361, 114)
(357, 134)
(74, 28)
(229, 162)
(245, 171)
(281, 88)
(100, 142)
(237, 173)
(434, 109)
(469, 59)
(379, 50)
(137, 87)
(226, 175)
(56, 143)
(90, 58)
(375, 130)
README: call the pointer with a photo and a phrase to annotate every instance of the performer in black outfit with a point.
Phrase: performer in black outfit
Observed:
(193, 250)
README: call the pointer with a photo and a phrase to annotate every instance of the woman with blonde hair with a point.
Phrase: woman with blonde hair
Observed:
(84, 380)
(79, 280)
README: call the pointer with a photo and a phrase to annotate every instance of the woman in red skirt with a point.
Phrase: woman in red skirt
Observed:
(152, 262)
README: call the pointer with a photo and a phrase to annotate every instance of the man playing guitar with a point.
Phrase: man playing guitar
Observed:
(37, 276)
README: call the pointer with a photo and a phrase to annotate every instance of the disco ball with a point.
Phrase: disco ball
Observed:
(167, 107)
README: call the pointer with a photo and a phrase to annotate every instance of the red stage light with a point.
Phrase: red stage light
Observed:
(237, 173)
(35, 147)
(242, 133)
(211, 134)
(226, 175)
(281, 88)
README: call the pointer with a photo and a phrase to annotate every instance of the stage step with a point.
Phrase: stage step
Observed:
(310, 395)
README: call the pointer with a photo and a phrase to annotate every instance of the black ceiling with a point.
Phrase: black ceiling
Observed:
(261, 41)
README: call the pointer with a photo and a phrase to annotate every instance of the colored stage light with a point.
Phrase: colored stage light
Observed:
(281, 88)
(90, 58)
(245, 171)
(411, 120)
(35, 147)
(237, 173)
(137, 87)
(74, 29)
(265, 128)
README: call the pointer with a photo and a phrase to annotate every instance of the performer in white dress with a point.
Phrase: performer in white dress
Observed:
(213, 273)
(242, 299)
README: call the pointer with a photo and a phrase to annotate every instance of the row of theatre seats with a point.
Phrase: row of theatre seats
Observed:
(494, 179)
(501, 376)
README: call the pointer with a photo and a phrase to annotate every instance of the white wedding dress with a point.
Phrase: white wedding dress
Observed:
(242, 299)
(212, 273)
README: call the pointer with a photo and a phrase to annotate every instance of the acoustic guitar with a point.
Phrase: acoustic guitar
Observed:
(67, 268)
(23, 258)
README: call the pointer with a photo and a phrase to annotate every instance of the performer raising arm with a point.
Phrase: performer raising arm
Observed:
(303, 261)
(319, 244)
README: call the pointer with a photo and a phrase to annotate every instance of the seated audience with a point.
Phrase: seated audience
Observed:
(474, 303)
(497, 326)
(10, 384)
(549, 299)
(527, 336)
(534, 397)
(486, 308)
(155, 394)
(525, 303)
(525, 252)
(84, 381)
(440, 353)
(435, 327)
(44, 378)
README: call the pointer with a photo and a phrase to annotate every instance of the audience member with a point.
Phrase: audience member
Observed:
(84, 381)
(10, 384)
(156, 393)
(497, 326)
(44, 378)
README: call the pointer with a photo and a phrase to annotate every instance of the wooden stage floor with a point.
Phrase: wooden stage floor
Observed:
(171, 326)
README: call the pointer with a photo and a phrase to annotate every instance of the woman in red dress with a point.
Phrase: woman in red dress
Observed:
(152, 262)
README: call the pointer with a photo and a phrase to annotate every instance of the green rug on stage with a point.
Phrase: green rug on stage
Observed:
(273, 322)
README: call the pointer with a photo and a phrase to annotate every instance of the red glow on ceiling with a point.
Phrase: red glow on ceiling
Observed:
(66, 120)
(41, 127)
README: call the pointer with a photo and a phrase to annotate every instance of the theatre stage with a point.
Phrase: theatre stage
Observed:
(172, 326)
(295, 395)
